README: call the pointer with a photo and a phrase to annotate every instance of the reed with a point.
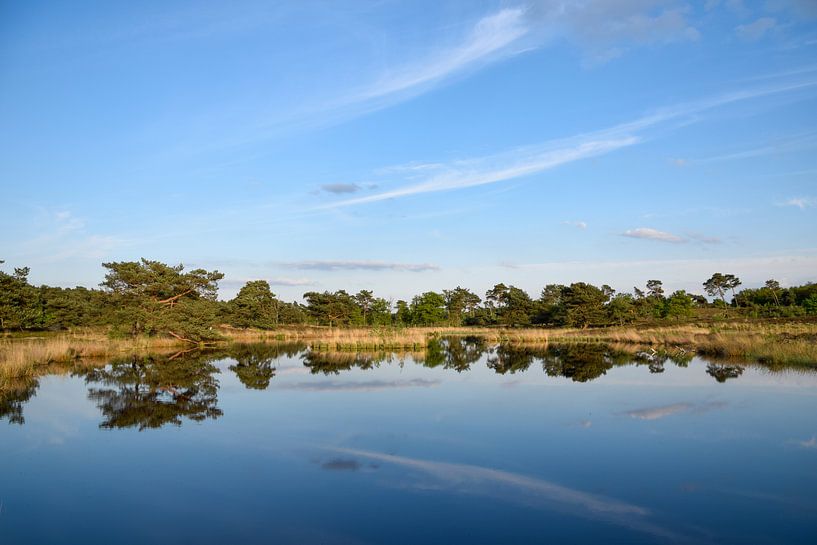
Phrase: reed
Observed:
(793, 343)
(22, 356)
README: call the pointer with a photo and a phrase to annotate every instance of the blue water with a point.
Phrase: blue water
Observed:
(565, 449)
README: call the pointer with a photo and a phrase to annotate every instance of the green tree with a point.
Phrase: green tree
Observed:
(402, 314)
(19, 307)
(550, 305)
(774, 287)
(428, 309)
(334, 309)
(655, 289)
(678, 305)
(254, 306)
(621, 309)
(719, 283)
(510, 305)
(584, 305)
(810, 304)
(153, 297)
(365, 299)
(459, 303)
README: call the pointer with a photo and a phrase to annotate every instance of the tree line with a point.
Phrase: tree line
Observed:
(149, 297)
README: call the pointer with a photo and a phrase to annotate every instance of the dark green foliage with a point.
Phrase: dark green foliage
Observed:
(254, 306)
(622, 309)
(151, 298)
(428, 309)
(678, 305)
(19, 308)
(584, 305)
(719, 283)
(151, 392)
(14, 395)
(509, 305)
(333, 309)
(460, 303)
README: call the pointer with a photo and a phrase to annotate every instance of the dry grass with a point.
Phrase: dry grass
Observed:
(792, 343)
(22, 356)
(789, 343)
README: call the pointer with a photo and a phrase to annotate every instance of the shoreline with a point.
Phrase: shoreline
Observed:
(786, 343)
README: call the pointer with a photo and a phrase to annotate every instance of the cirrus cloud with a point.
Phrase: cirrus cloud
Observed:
(352, 265)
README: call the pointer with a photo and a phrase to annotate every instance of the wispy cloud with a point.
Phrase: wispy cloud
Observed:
(63, 235)
(809, 443)
(491, 35)
(801, 142)
(756, 29)
(276, 281)
(284, 281)
(359, 386)
(497, 168)
(577, 224)
(656, 413)
(704, 239)
(649, 233)
(330, 265)
(529, 160)
(800, 202)
(506, 485)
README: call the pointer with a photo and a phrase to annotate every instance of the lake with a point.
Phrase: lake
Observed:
(465, 443)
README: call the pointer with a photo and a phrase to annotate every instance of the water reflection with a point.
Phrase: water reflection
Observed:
(13, 395)
(254, 363)
(723, 372)
(154, 391)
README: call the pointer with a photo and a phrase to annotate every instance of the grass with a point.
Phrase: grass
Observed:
(788, 343)
(21, 356)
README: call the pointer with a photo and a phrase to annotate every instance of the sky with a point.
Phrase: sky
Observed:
(411, 146)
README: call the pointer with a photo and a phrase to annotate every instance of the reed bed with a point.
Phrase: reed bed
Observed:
(22, 356)
(793, 343)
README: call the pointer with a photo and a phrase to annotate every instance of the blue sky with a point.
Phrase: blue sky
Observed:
(408, 146)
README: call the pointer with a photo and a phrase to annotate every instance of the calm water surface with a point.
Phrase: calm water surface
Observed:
(464, 444)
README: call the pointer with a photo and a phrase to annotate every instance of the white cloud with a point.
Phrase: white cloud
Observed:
(490, 35)
(757, 29)
(810, 443)
(284, 281)
(349, 265)
(800, 202)
(528, 160)
(652, 234)
(655, 413)
(503, 485)
(577, 224)
(501, 167)
(359, 386)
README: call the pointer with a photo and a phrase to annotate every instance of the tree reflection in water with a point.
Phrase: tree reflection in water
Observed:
(722, 373)
(254, 363)
(457, 353)
(14, 394)
(152, 391)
